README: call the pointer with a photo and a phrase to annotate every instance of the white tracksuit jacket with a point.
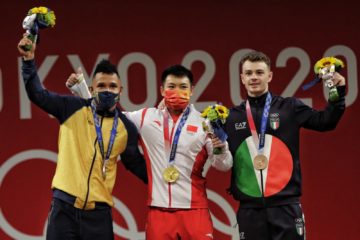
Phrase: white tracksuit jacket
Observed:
(192, 152)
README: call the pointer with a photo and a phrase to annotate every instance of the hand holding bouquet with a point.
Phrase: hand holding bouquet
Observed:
(215, 117)
(37, 18)
(325, 69)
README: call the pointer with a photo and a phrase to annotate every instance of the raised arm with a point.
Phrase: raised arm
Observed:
(326, 119)
(59, 106)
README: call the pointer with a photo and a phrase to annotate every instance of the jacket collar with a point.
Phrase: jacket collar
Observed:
(254, 101)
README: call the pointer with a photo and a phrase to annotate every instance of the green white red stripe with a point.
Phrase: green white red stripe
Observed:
(275, 176)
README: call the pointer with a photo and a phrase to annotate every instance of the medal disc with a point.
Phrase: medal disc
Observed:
(260, 162)
(104, 171)
(171, 174)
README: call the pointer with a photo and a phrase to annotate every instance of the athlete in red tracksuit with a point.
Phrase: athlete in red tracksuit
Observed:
(178, 209)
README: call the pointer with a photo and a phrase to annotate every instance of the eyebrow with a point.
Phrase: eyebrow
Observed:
(111, 83)
(256, 70)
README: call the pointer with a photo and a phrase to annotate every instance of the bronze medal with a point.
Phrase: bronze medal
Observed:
(260, 162)
(171, 174)
(104, 171)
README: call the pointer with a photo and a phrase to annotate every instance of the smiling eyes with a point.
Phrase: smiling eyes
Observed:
(102, 85)
(257, 73)
(181, 86)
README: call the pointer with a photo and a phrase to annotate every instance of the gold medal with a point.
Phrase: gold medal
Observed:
(260, 162)
(171, 174)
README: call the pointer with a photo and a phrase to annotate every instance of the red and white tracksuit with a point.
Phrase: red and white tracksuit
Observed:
(193, 150)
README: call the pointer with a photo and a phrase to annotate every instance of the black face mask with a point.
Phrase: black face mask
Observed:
(106, 100)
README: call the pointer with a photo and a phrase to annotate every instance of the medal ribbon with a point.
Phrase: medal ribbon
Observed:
(175, 141)
(100, 138)
(259, 140)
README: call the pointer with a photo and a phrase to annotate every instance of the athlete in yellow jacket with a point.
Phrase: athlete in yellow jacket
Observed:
(93, 133)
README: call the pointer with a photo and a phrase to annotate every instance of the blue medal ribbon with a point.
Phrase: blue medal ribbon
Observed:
(264, 119)
(311, 84)
(100, 138)
(177, 135)
(259, 139)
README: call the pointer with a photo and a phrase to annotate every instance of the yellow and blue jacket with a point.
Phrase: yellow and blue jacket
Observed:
(79, 165)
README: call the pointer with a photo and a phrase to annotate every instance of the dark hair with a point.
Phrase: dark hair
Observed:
(255, 56)
(105, 66)
(178, 71)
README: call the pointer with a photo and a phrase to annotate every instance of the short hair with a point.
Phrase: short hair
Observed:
(255, 56)
(178, 71)
(105, 66)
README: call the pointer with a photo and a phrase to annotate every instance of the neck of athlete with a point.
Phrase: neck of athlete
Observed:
(175, 114)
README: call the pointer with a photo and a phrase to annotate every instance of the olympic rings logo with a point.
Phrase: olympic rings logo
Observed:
(132, 233)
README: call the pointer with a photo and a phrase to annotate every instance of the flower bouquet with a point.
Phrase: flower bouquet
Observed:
(37, 18)
(324, 70)
(215, 117)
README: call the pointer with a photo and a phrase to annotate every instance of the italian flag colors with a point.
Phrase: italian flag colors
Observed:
(275, 176)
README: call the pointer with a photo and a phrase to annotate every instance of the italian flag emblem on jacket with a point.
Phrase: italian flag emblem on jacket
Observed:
(275, 177)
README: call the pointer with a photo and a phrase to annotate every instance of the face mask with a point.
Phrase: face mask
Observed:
(177, 99)
(105, 100)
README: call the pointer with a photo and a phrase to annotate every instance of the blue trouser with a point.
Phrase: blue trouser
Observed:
(67, 222)
(283, 222)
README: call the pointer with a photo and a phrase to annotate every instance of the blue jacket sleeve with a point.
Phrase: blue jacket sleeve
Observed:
(59, 106)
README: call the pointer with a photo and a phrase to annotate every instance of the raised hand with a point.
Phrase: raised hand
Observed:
(27, 55)
(74, 78)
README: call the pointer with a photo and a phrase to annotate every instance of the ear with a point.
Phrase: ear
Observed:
(242, 79)
(162, 91)
(120, 92)
(92, 86)
(191, 90)
(270, 76)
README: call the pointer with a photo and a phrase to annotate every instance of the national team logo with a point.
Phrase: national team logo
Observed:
(299, 223)
(274, 120)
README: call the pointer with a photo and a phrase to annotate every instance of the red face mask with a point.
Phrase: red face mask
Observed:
(177, 99)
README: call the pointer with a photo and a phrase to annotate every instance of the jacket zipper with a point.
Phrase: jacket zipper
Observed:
(91, 168)
(261, 172)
